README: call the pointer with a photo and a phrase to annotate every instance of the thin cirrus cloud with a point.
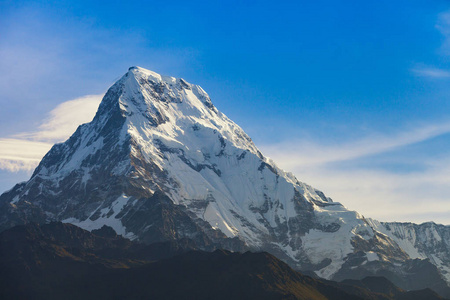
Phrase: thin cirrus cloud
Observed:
(416, 196)
(443, 26)
(387, 196)
(306, 153)
(23, 151)
(17, 154)
(431, 72)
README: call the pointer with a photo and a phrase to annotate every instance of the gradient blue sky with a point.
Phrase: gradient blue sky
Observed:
(351, 96)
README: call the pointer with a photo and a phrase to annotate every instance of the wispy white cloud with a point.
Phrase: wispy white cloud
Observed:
(386, 196)
(443, 25)
(64, 119)
(23, 151)
(306, 153)
(431, 72)
(376, 192)
(16, 154)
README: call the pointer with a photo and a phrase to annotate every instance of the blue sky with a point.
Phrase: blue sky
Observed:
(351, 96)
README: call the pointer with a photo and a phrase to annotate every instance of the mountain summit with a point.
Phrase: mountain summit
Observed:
(159, 162)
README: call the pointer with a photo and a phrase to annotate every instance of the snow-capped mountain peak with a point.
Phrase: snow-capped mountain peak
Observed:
(159, 162)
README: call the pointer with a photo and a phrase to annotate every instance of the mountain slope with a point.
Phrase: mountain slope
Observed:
(420, 241)
(56, 261)
(159, 162)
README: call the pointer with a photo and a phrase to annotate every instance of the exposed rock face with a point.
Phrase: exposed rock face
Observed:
(428, 241)
(160, 162)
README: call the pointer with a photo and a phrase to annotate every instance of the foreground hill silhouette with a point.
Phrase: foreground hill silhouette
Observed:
(62, 261)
